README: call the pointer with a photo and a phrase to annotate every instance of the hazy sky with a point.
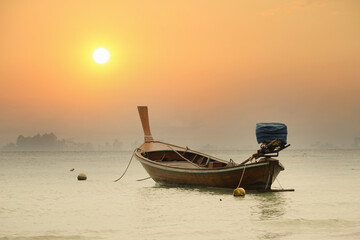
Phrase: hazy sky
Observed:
(208, 70)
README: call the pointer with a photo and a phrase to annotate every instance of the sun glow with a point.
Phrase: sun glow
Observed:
(101, 55)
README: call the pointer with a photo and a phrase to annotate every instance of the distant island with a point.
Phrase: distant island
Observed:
(50, 142)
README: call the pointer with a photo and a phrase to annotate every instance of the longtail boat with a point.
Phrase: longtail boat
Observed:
(171, 164)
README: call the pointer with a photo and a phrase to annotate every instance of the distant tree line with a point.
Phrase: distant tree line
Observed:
(50, 142)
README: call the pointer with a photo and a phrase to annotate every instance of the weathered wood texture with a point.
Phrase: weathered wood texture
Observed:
(144, 117)
(257, 176)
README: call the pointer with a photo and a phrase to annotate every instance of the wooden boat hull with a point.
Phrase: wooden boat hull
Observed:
(171, 164)
(257, 176)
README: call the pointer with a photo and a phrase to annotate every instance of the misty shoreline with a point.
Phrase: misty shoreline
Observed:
(49, 142)
(202, 150)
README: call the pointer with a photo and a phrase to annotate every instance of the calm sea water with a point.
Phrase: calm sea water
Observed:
(41, 199)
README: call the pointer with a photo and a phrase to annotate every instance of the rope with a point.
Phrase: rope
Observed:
(184, 157)
(267, 183)
(242, 175)
(127, 166)
(279, 183)
(143, 179)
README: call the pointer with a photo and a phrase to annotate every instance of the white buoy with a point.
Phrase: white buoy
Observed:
(82, 177)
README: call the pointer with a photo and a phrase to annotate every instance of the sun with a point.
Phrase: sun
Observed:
(101, 55)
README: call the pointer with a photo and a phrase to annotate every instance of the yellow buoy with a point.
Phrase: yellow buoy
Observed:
(239, 192)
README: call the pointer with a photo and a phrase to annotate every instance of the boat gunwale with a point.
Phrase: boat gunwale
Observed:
(182, 149)
(152, 163)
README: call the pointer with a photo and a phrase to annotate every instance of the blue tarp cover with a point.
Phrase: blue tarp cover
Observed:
(266, 132)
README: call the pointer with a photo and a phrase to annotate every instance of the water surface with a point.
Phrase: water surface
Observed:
(42, 199)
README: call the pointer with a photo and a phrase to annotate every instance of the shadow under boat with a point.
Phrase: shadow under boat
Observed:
(170, 164)
(194, 188)
(213, 190)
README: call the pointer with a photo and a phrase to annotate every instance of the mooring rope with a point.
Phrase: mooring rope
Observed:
(143, 179)
(279, 183)
(127, 166)
(242, 175)
(267, 183)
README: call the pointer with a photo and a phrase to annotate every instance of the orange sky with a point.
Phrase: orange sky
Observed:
(208, 70)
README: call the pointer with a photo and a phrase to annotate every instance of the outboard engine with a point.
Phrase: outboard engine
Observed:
(267, 132)
(272, 138)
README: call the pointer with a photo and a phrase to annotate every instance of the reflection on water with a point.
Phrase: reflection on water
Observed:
(199, 189)
(269, 206)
